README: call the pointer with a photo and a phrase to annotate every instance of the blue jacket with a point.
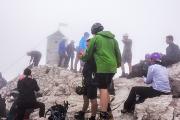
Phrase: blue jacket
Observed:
(157, 76)
(62, 47)
(82, 44)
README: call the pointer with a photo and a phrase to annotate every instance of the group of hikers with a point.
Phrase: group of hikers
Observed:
(67, 53)
(100, 57)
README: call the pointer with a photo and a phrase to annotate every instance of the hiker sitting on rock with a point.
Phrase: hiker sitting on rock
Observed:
(172, 52)
(157, 76)
(27, 98)
(140, 69)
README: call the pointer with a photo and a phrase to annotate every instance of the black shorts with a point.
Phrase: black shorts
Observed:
(103, 80)
(90, 92)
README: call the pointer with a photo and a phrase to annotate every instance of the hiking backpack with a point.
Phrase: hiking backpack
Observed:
(58, 111)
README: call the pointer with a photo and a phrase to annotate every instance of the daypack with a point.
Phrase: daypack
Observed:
(58, 111)
(139, 70)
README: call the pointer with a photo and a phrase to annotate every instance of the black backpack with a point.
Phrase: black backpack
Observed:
(58, 111)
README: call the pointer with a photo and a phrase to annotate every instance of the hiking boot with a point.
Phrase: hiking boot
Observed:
(109, 110)
(92, 118)
(79, 115)
(104, 116)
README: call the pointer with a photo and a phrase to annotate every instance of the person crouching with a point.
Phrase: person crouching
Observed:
(27, 99)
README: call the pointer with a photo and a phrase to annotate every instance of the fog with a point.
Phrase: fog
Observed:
(25, 24)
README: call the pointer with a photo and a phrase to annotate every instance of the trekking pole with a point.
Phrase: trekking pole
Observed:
(118, 105)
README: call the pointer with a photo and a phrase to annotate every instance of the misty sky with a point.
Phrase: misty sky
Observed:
(25, 24)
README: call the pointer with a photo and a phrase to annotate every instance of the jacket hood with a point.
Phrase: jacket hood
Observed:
(106, 34)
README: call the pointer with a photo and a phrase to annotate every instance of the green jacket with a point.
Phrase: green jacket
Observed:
(105, 50)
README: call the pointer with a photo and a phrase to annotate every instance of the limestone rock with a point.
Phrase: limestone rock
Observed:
(58, 84)
(158, 108)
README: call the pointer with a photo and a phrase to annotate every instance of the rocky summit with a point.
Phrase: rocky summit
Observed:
(58, 85)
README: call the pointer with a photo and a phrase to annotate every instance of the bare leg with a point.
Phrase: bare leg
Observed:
(104, 99)
(94, 107)
(122, 68)
(130, 67)
(85, 104)
(76, 62)
(72, 58)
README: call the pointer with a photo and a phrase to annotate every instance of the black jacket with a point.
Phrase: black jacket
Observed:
(27, 88)
(173, 52)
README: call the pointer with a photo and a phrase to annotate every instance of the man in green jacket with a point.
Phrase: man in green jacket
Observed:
(105, 50)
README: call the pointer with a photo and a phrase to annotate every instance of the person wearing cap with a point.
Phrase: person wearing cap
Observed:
(70, 54)
(35, 58)
(27, 99)
(105, 50)
(81, 49)
(127, 54)
(157, 76)
(172, 52)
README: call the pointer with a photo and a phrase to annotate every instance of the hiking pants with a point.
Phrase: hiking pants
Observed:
(69, 58)
(138, 95)
(23, 107)
(62, 59)
(36, 60)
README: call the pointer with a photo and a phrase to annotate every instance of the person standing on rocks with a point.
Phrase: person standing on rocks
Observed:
(157, 76)
(90, 89)
(127, 54)
(2, 107)
(81, 49)
(3, 82)
(35, 58)
(70, 54)
(105, 50)
(27, 99)
(172, 52)
(62, 53)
